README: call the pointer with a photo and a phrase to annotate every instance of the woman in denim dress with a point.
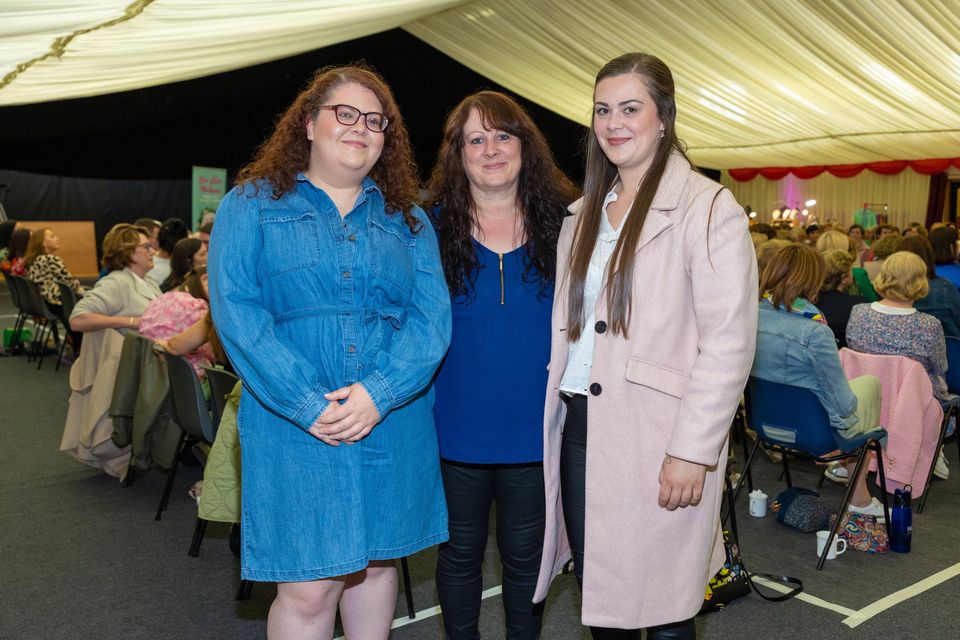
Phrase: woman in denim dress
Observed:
(327, 291)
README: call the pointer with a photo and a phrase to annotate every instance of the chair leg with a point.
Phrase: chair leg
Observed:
(34, 352)
(52, 331)
(171, 475)
(740, 427)
(933, 462)
(820, 481)
(198, 533)
(746, 469)
(843, 505)
(246, 588)
(786, 470)
(411, 611)
(731, 512)
(875, 445)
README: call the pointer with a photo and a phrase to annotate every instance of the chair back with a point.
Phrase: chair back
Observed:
(28, 303)
(222, 383)
(188, 401)
(953, 364)
(68, 299)
(13, 289)
(789, 416)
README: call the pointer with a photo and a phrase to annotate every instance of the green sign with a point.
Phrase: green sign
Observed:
(209, 185)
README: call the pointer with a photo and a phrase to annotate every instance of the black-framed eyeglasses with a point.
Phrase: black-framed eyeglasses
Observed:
(347, 115)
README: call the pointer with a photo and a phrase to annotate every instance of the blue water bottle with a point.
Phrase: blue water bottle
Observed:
(901, 526)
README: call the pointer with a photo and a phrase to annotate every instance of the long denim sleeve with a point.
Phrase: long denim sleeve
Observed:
(422, 337)
(275, 370)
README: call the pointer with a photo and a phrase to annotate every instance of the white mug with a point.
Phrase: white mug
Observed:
(838, 547)
(758, 503)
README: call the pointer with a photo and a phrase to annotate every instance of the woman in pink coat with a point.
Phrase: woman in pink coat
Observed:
(654, 329)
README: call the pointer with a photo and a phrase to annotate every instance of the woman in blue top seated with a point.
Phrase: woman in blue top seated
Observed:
(328, 294)
(795, 346)
(942, 300)
(500, 200)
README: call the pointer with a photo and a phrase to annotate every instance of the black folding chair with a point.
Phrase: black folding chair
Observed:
(68, 300)
(45, 320)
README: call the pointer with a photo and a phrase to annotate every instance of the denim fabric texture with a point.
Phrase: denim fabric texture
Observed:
(306, 302)
(801, 352)
(943, 303)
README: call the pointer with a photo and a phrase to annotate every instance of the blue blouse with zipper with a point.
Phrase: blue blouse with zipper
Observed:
(490, 388)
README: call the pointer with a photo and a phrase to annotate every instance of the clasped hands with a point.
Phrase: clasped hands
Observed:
(681, 483)
(349, 417)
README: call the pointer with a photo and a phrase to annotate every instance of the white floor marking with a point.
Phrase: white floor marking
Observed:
(861, 616)
(806, 597)
(434, 611)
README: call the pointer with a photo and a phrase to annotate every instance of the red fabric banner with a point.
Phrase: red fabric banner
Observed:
(887, 168)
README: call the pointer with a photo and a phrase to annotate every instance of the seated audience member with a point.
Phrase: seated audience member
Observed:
(119, 298)
(199, 334)
(767, 250)
(47, 269)
(883, 248)
(834, 301)
(153, 230)
(885, 230)
(943, 300)
(894, 327)
(915, 229)
(813, 233)
(858, 241)
(6, 230)
(944, 242)
(17, 250)
(796, 347)
(204, 234)
(833, 241)
(172, 231)
(188, 254)
(176, 311)
(764, 228)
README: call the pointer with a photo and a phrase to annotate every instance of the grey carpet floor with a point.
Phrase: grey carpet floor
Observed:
(82, 557)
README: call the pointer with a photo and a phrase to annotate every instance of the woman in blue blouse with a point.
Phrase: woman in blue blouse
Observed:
(500, 200)
(328, 294)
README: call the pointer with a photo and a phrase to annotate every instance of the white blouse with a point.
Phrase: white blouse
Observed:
(576, 377)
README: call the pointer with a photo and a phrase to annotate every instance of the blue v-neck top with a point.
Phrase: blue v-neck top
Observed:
(490, 388)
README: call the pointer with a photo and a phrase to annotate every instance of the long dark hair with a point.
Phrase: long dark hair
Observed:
(543, 192)
(600, 177)
(181, 262)
(287, 151)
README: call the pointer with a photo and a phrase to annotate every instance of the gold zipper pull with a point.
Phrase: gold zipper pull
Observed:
(500, 255)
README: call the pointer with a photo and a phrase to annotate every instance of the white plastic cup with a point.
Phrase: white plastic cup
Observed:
(838, 547)
(758, 503)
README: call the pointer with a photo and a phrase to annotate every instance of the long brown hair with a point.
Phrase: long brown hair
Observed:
(600, 177)
(35, 246)
(287, 151)
(543, 191)
(796, 271)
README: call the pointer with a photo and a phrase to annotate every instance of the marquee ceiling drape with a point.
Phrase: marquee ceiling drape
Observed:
(759, 82)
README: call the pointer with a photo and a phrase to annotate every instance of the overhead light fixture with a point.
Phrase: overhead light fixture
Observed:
(810, 203)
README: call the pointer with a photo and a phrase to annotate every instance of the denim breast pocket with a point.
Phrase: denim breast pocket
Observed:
(290, 241)
(393, 265)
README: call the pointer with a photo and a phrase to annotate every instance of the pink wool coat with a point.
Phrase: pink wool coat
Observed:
(672, 387)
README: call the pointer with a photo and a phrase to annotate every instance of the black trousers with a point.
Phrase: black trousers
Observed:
(573, 466)
(471, 490)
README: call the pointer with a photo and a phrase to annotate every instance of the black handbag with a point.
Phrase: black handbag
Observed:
(733, 581)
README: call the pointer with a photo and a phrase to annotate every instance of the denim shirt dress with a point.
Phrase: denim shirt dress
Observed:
(306, 302)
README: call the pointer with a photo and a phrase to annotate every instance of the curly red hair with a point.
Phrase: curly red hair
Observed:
(287, 151)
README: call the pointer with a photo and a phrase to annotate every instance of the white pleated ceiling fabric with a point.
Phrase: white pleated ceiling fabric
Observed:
(759, 82)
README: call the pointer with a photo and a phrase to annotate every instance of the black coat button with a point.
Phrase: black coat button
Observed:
(596, 389)
(601, 327)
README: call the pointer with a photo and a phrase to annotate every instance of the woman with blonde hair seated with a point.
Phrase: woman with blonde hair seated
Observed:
(796, 347)
(894, 327)
(120, 297)
(834, 300)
